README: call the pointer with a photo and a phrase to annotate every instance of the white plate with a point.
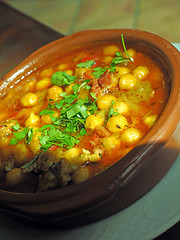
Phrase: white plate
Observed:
(146, 219)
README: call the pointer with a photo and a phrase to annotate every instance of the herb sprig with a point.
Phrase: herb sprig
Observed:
(118, 59)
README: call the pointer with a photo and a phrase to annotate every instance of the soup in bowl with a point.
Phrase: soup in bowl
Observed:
(82, 116)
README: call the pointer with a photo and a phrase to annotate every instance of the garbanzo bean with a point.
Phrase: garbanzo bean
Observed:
(46, 119)
(43, 84)
(117, 124)
(141, 72)
(33, 120)
(114, 81)
(94, 121)
(105, 101)
(30, 86)
(150, 120)
(46, 73)
(54, 93)
(121, 70)
(35, 145)
(127, 81)
(120, 107)
(69, 88)
(72, 153)
(79, 72)
(110, 50)
(62, 66)
(107, 59)
(29, 100)
(111, 142)
(69, 72)
(94, 157)
(131, 136)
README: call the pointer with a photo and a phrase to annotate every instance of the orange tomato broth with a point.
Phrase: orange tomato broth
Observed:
(11, 107)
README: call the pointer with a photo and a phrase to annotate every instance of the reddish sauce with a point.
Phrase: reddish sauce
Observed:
(77, 116)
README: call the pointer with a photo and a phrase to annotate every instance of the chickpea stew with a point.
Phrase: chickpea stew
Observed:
(73, 118)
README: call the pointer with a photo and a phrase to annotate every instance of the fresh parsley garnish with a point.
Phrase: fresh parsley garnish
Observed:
(52, 135)
(98, 71)
(76, 88)
(26, 134)
(118, 59)
(93, 95)
(86, 64)
(111, 112)
(16, 127)
(61, 78)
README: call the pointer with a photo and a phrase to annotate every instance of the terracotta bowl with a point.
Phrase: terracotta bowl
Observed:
(128, 179)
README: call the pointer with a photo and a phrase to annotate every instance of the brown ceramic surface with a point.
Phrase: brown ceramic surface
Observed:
(128, 179)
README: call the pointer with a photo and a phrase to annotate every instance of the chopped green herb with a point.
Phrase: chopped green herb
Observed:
(93, 95)
(29, 135)
(87, 87)
(16, 127)
(82, 132)
(61, 78)
(111, 112)
(46, 112)
(118, 59)
(51, 104)
(13, 141)
(98, 71)
(21, 135)
(76, 88)
(86, 64)
(53, 136)
(18, 136)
